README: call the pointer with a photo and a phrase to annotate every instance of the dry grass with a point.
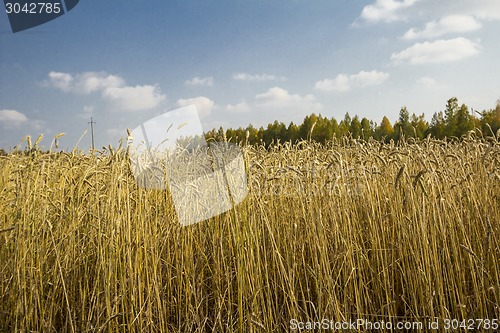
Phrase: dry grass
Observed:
(352, 230)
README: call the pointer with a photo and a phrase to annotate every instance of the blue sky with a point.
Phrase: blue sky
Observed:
(243, 61)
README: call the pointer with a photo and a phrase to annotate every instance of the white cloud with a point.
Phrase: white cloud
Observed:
(62, 81)
(134, 98)
(399, 10)
(340, 84)
(280, 98)
(200, 81)
(484, 9)
(386, 10)
(443, 50)
(257, 77)
(12, 117)
(89, 82)
(344, 82)
(241, 107)
(204, 105)
(84, 83)
(111, 87)
(448, 24)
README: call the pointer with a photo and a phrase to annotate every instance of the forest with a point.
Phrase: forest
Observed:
(453, 122)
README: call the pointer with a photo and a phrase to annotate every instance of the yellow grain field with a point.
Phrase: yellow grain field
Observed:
(337, 233)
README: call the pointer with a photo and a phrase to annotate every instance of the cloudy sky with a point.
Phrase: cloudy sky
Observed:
(243, 61)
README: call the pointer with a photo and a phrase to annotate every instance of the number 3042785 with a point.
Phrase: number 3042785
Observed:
(33, 8)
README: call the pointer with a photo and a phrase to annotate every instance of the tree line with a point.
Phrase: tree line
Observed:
(454, 121)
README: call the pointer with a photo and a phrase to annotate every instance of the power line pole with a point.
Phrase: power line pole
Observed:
(92, 122)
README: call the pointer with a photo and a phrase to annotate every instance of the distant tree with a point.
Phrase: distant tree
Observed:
(211, 135)
(438, 125)
(464, 121)
(323, 130)
(385, 130)
(355, 127)
(253, 134)
(293, 132)
(190, 142)
(450, 117)
(240, 135)
(490, 121)
(268, 135)
(260, 134)
(496, 120)
(366, 129)
(307, 125)
(335, 127)
(454, 121)
(345, 125)
(403, 125)
(231, 135)
(497, 112)
(419, 126)
(275, 131)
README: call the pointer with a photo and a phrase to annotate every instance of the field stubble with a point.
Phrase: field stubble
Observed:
(344, 231)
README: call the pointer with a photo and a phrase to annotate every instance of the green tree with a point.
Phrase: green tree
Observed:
(385, 131)
(211, 135)
(419, 126)
(335, 127)
(253, 134)
(323, 130)
(231, 135)
(355, 127)
(438, 125)
(260, 134)
(293, 132)
(496, 120)
(465, 121)
(345, 125)
(490, 121)
(274, 132)
(240, 134)
(450, 117)
(307, 125)
(403, 125)
(454, 121)
(366, 129)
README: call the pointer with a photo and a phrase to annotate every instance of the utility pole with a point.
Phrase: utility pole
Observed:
(92, 122)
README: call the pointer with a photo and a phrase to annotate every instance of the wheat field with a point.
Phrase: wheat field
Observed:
(343, 231)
